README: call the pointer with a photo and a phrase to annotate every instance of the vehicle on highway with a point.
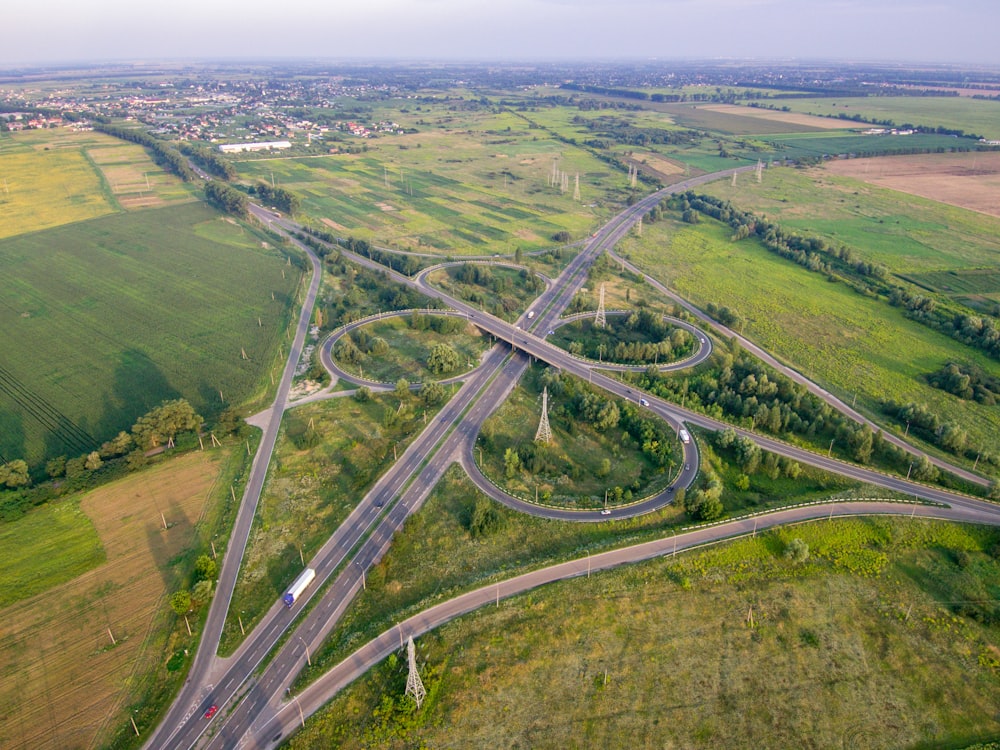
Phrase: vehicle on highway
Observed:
(606, 512)
(531, 314)
(298, 586)
(379, 503)
(212, 710)
(643, 402)
(687, 467)
(684, 436)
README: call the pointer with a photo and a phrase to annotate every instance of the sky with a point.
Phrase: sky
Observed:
(49, 31)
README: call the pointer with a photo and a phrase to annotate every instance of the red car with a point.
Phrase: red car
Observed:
(211, 711)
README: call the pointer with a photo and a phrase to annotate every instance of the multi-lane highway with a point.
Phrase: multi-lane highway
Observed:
(250, 697)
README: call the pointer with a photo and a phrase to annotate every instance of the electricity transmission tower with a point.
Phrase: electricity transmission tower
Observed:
(576, 190)
(544, 434)
(414, 686)
(760, 169)
(601, 320)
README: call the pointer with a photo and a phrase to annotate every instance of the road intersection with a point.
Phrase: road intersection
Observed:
(251, 695)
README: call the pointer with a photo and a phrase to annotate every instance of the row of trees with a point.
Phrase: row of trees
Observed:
(163, 153)
(281, 199)
(227, 198)
(967, 382)
(210, 160)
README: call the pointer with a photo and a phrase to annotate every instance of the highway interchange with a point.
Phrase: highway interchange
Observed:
(254, 707)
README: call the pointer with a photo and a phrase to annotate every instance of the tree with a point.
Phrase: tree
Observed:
(93, 461)
(924, 470)
(402, 391)
(860, 442)
(363, 394)
(797, 551)
(432, 393)
(486, 518)
(164, 422)
(180, 602)
(443, 359)
(55, 467)
(15, 474)
(118, 446)
(205, 568)
(511, 462)
(994, 493)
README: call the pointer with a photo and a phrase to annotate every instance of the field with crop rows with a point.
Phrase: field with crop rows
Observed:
(64, 682)
(848, 342)
(464, 185)
(107, 318)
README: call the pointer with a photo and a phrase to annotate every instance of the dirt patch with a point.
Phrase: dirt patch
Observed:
(793, 118)
(656, 165)
(385, 207)
(63, 682)
(334, 225)
(968, 180)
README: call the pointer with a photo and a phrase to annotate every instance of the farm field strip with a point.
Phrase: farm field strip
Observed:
(63, 679)
(148, 306)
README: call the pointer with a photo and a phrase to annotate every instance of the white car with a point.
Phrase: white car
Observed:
(643, 402)
(606, 512)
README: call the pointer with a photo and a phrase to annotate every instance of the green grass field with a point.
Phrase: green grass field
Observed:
(50, 545)
(850, 343)
(863, 645)
(814, 145)
(573, 475)
(958, 113)
(464, 184)
(906, 233)
(107, 318)
(409, 351)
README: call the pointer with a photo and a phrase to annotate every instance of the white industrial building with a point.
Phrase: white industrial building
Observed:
(235, 148)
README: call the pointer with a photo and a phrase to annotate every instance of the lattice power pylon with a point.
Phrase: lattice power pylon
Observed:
(601, 320)
(576, 189)
(544, 433)
(760, 169)
(414, 686)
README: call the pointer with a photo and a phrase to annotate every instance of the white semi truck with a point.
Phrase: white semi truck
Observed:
(298, 586)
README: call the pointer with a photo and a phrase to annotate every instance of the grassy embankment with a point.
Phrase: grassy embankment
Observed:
(328, 456)
(409, 351)
(882, 626)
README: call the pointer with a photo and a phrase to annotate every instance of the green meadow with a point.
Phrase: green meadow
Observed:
(850, 343)
(886, 624)
(955, 112)
(468, 183)
(107, 318)
(906, 233)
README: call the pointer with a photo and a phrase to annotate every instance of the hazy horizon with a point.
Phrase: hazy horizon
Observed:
(111, 31)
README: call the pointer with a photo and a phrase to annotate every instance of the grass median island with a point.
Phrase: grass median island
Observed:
(601, 447)
(403, 347)
(739, 645)
(328, 456)
(501, 291)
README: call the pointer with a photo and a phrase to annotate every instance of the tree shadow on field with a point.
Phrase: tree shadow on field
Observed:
(170, 547)
(138, 386)
(12, 440)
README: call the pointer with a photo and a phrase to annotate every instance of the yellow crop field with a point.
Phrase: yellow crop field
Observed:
(64, 682)
(43, 189)
(134, 180)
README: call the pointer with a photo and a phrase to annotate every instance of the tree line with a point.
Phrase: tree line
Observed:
(163, 153)
(841, 263)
